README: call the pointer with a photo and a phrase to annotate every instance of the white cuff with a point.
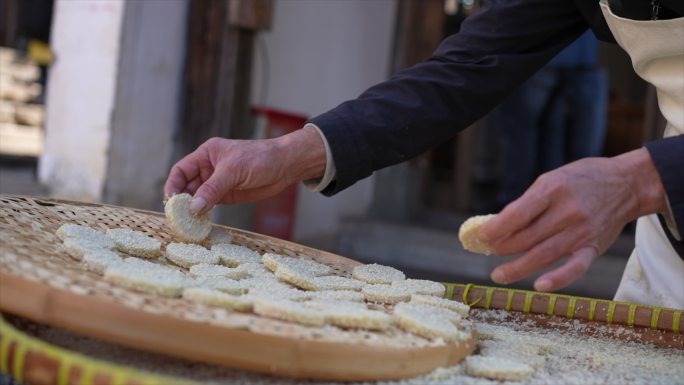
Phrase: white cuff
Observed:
(319, 184)
(670, 222)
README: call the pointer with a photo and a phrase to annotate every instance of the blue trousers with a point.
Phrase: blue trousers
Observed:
(556, 117)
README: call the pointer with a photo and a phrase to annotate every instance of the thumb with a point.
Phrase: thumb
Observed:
(210, 192)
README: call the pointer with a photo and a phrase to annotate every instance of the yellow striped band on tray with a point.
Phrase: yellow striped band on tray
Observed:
(88, 367)
(485, 301)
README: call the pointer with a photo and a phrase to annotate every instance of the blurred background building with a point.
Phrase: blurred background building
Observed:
(101, 97)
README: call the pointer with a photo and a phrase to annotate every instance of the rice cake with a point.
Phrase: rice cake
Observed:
(135, 243)
(309, 267)
(77, 247)
(235, 255)
(217, 298)
(385, 294)
(377, 274)
(72, 230)
(160, 282)
(287, 310)
(98, 261)
(469, 231)
(213, 270)
(189, 254)
(228, 286)
(183, 223)
(422, 286)
(429, 324)
(337, 295)
(456, 306)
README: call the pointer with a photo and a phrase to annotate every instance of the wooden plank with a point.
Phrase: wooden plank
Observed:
(251, 14)
(217, 74)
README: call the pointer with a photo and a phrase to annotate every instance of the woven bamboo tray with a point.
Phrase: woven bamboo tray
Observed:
(42, 283)
(35, 361)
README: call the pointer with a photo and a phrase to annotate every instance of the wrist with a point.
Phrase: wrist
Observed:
(644, 180)
(303, 152)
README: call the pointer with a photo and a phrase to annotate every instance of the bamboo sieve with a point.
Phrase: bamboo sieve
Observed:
(41, 282)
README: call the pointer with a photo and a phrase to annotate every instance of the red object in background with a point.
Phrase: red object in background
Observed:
(275, 216)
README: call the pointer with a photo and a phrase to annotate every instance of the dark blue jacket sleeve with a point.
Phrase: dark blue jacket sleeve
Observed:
(420, 107)
(668, 156)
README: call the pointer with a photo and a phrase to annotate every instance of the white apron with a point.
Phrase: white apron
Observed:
(654, 274)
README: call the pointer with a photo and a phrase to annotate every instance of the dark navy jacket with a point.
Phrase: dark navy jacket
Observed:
(470, 73)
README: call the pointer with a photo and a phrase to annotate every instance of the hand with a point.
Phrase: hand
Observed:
(237, 171)
(578, 211)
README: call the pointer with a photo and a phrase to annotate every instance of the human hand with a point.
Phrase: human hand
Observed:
(236, 171)
(577, 210)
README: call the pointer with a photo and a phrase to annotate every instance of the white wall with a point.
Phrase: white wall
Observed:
(80, 96)
(317, 55)
(112, 99)
(146, 110)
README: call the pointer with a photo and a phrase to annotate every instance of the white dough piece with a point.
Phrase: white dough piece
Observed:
(352, 315)
(189, 254)
(428, 324)
(217, 298)
(98, 261)
(212, 270)
(72, 230)
(330, 305)
(422, 286)
(135, 243)
(155, 281)
(450, 315)
(235, 255)
(183, 223)
(276, 292)
(288, 311)
(497, 368)
(226, 285)
(468, 234)
(456, 306)
(306, 266)
(256, 269)
(359, 319)
(296, 277)
(218, 236)
(377, 274)
(337, 295)
(77, 247)
(148, 265)
(385, 294)
(333, 282)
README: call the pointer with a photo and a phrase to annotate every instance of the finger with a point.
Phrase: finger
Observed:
(193, 185)
(175, 183)
(563, 276)
(212, 191)
(550, 222)
(183, 171)
(514, 217)
(538, 258)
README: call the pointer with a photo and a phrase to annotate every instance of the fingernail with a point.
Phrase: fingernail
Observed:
(197, 204)
(543, 285)
(498, 276)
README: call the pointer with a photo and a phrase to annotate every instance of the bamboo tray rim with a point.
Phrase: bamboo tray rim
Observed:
(596, 310)
(237, 346)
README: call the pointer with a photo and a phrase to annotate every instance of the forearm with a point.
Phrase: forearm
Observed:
(643, 180)
(303, 154)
